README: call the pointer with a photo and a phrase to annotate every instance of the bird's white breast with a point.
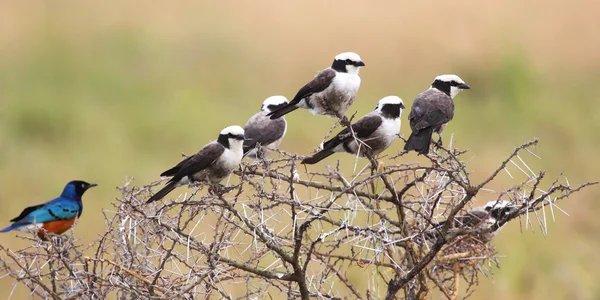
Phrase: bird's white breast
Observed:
(386, 134)
(232, 157)
(390, 127)
(337, 97)
(346, 82)
(228, 161)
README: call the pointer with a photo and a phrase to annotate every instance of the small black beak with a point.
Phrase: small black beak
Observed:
(402, 106)
(360, 64)
(463, 86)
(91, 185)
(241, 137)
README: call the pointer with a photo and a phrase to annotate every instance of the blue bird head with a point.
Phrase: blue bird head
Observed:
(76, 188)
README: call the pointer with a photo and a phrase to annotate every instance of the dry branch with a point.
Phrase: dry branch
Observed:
(280, 230)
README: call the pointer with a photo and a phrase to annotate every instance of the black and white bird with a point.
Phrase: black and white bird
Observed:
(432, 110)
(487, 218)
(331, 92)
(375, 132)
(264, 131)
(213, 163)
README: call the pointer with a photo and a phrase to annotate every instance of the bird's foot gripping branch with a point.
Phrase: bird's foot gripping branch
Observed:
(401, 230)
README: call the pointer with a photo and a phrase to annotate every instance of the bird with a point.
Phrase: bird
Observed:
(486, 218)
(375, 131)
(432, 110)
(262, 130)
(213, 163)
(55, 216)
(331, 92)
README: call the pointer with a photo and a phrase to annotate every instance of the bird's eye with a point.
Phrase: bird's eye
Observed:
(82, 185)
(348, 61)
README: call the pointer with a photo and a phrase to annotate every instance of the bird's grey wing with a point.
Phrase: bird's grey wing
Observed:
(318, 84)
(174, 170)
(199, 161)
(430, 108)
(262, 130)
(251, 131)
(363, 128)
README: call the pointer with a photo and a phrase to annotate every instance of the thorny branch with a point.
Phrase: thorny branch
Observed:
(283, 231)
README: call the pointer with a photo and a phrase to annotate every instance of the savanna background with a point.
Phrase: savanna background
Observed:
(106, 90)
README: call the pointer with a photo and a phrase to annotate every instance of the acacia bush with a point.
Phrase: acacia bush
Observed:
(278, 230)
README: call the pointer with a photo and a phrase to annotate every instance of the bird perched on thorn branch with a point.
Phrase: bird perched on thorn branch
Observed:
(374, 132)
(431, 111)
(487, 218)
(331, 92)
(55, 216)
(213, 163)
(263, 131)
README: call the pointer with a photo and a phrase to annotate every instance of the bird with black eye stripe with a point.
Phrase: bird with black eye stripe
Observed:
(373, 133)
(486, 218)
(331, 92)
(55, 216)
(432, 110)
(263, 133)
(213, 163)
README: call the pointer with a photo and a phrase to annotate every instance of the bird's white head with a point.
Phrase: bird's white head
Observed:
(232, 136)
(347, 62)
(500, 208)
(497, 204)
(273, 103)
(233, 131)
(449, 84)
(390, 107)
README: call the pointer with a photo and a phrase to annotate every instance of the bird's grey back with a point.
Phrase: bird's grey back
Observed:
(430, 108)
(262, 129)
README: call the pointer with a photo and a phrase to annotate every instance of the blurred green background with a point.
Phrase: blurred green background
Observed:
(102, 90)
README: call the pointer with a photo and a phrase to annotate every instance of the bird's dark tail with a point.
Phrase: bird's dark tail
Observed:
(419, 142)
(163, 192)
(319, 156)
(282, 111)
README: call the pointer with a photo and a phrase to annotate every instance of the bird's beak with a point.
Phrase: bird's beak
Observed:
(402, 106)
(92, 185)
(464, 86)
(360, 64)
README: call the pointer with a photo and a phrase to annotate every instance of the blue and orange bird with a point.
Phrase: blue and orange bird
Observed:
(55, 216)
